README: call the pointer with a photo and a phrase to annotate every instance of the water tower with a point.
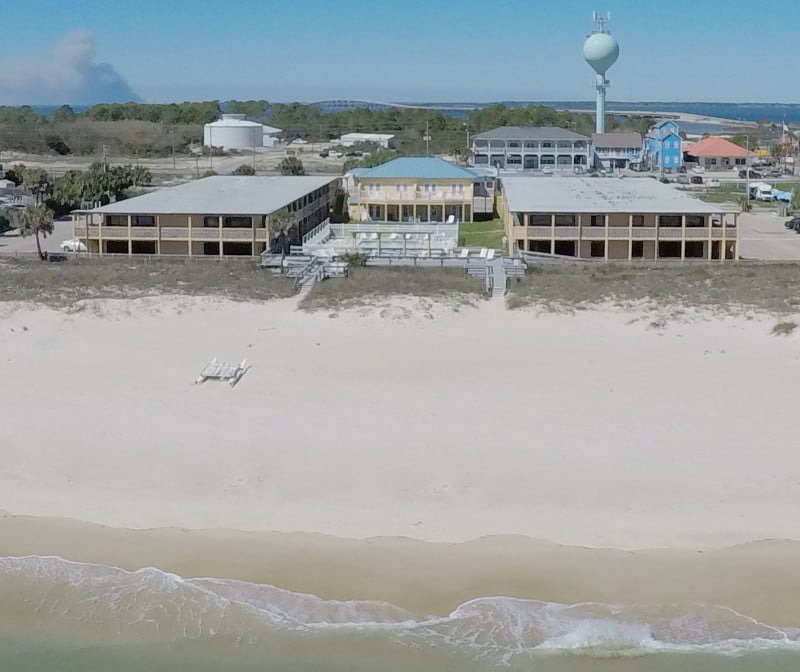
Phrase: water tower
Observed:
(601, 52)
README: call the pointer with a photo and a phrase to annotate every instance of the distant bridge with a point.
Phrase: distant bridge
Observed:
(330, 106)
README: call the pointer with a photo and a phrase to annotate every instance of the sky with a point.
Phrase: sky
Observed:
(88, 51)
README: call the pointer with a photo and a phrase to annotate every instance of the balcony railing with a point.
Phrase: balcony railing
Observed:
(566, 231)
(410, 196)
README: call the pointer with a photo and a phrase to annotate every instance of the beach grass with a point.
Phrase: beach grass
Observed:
(364, 286)
(784, 328)
(769, 288)
(61, 285)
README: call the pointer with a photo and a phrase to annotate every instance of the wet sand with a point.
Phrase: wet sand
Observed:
(759, 579)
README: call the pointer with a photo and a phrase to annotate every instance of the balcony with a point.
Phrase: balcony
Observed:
(593, 232)
(643, 233)
(540, 232)
(367, 196)
(565, 232)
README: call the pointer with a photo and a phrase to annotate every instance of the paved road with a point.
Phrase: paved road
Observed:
(762, 235)
(12, 242)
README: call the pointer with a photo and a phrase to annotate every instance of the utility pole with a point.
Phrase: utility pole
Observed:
(105, 158)
(427, 139)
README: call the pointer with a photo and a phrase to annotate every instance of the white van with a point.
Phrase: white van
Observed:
(761, 191)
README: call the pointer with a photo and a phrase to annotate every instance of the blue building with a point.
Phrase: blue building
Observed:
(664, 146)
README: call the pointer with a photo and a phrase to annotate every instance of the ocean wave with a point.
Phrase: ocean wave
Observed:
(49, 596)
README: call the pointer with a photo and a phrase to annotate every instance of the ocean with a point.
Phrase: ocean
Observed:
(63, 616)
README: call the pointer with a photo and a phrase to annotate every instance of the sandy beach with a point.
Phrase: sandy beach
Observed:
(410, 452)
(600, 428)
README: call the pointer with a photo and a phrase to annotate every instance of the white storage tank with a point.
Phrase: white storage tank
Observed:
(233, 131)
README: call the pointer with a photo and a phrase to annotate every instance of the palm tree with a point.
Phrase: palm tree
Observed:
(36, 219)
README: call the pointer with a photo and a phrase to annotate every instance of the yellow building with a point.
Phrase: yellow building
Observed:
(413, 190)
(614, 218)
(218, 215)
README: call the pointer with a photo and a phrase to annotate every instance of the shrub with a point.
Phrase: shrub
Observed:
(245, 169)
(784, 328)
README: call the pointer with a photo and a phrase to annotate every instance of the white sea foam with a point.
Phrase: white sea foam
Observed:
(110, 605)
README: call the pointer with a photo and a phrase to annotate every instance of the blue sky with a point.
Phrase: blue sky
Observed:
(398, 50)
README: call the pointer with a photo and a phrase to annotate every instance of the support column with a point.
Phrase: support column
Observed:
(379, 243)
(710, 239)
(630, 237)
(130, 244)
(683, 238)
(429, 244)
(219, 234)
(655, 242)
(189, 221)
(553, 233)
(736, 242)
(605, 244)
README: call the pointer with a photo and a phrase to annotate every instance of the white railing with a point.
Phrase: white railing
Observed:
(320, 233)
(205, 233)
(410, 196)
(434, 228)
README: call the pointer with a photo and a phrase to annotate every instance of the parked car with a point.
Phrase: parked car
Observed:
(754, 174)
(682, 169)
(792, 223)
(73, 245)
(665, 180)
(696, 179)
(699, 169)
(774, 172)
(712, 183)
(683, 179)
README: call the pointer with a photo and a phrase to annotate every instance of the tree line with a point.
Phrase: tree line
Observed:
(141, 129)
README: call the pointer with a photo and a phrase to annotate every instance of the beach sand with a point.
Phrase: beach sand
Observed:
(410, 452)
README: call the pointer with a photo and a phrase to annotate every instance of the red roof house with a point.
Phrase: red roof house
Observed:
(715, 152)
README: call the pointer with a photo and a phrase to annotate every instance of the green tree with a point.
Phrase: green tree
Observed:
(283, 232)
(5, 222)
(36, 181)
(36, 220)
(63, 114)
(291, 165)
(245, 169)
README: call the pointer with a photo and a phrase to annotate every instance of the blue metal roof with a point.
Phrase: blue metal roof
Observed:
(419, 167)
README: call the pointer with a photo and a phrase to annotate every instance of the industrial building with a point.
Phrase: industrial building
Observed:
(715, 153)
(663, 147)
(233, 131)
(385, 140)
(530, 148)
(218, 215)
(614, 218)
(616, 150)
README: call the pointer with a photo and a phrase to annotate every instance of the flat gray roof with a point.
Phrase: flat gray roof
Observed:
(616, 140)
(529, 133)
(602, 195)
(221, 194)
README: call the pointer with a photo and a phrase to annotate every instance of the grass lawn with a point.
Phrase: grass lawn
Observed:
(769, 287)
(481, 234)
(364, 286)
(60, 285)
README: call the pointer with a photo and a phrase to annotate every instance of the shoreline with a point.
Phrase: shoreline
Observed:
(757, 580)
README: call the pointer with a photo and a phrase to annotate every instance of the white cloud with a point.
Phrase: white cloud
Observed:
(66, 73)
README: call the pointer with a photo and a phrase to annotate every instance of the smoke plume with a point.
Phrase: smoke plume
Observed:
(67, 73)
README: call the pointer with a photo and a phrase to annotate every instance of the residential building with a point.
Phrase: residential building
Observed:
(413, 189)
(219, 215)
(715, 153)
(663, 147)
(530, 148)
(616, 150)
(613, 218)
(385, 140)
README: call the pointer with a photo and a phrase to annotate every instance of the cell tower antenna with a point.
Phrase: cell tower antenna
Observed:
(601, 19)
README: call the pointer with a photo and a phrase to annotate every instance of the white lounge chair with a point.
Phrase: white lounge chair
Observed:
(464, 253)
(483, 253)
(451, 219)
(490, 255)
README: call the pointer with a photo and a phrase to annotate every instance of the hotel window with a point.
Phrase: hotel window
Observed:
(116, 220)
(402, 187)
(211, 221)
(637, 220)
(143, 220)
(456, 188)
